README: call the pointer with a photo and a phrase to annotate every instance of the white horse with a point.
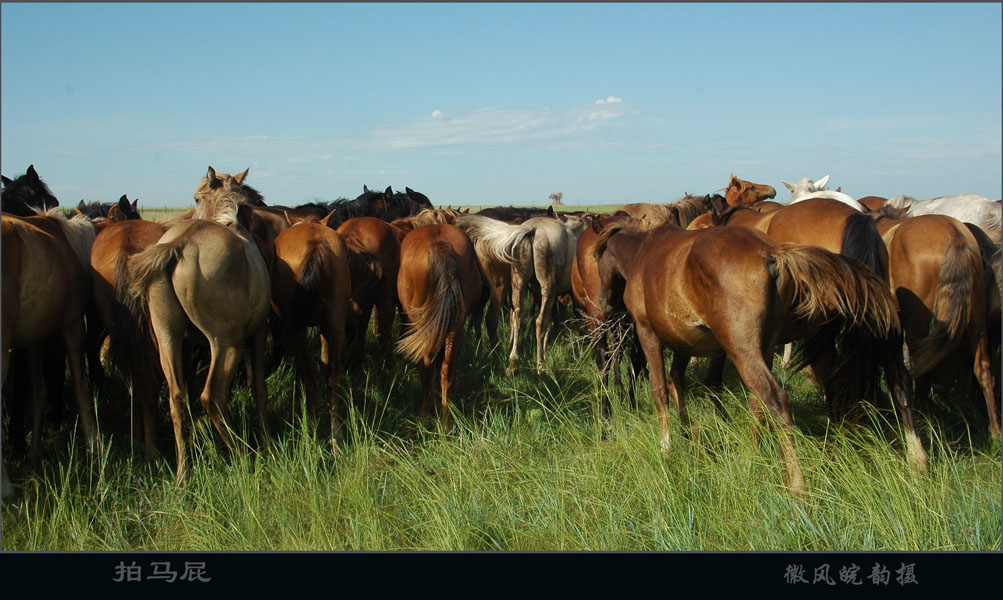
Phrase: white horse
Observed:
(807, 189)
(967, 208)
(540, 248)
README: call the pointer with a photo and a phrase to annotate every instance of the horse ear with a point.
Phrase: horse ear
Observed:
(114, 214)
(135, 204)
(6, 180)
(839, 189)
(595, 224)
(82, 205)
(123, 205)
(327, 219)
(210, 176)
(388, 193)
(820, 184)
(239, 178)
(467, 212)
(31, 171)
(365, 189)
(790, 186)
(674, 215)
(289, 219)
(550, 212)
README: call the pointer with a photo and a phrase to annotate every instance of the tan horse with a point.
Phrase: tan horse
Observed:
(734, 291)
(938, 277)
(46, 289)
(206, 275)
(439, 282)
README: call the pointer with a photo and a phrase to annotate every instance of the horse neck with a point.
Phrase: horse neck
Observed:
(624, 247)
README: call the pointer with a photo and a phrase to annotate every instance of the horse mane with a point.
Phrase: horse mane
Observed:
(429, 216)
(888, 211)
(79, 231)
(224, 209)
(690, 207)
(900, 201)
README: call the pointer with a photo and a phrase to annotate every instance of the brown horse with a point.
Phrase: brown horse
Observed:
(131, 346)
(734, 291)
(678, 212)
(311, 286)
(374, 262)
(743, 193)
(585, 288)
(206, 275)
(438, 283)
(46, 290)
(938, 278)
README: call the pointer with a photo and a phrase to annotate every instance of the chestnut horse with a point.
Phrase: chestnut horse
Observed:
(311, 286)
(938, 278)
(46, 290)
(374, 262)
(743, 193)
(438, 283)
(737, 292)
(131, 345)
(206, 275)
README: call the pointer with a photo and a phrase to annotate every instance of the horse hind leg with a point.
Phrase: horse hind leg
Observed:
(223, 364)
(74, 338)
(543, 326)
(38, 401)
(983, 373)
(757, 375)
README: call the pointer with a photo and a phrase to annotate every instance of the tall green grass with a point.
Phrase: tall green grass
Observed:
(528, 465)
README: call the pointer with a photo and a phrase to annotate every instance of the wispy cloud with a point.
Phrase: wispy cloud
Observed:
(500, 126)
(609, 100)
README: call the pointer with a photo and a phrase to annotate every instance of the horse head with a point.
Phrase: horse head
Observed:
(743, 193)
(28, 192)
(805, 186)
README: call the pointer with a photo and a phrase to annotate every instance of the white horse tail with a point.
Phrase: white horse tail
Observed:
(497, 238)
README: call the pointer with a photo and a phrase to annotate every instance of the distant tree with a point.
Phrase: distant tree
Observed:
(555, 198)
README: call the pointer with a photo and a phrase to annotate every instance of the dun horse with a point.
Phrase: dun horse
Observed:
(735, 291)
(206, 275)
(438, 283)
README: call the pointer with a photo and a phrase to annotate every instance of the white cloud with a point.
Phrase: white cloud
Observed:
(436, 113)
(610, 100)
(496, 126)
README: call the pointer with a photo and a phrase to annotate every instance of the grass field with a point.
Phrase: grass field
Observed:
(529, 465)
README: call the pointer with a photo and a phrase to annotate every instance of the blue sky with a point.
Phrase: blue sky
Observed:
(501, 103)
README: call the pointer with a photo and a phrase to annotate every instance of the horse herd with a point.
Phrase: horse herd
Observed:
(866, 287)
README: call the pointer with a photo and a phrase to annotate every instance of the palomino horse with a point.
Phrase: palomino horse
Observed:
(438, 283)
(743, 193)
(937, 275)
(967, 208)
(540, 248)
(679, 212)
(46, 289)
(311, 286)
(206, 274)
(374, 261)
(23, 195)
(734, 291)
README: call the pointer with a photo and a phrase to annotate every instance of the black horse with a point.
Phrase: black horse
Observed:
(24, 195)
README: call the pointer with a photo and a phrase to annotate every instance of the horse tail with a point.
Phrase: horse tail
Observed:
(498, 239)
(952, 305)
(861, 241)
(315, 266)
(441, 311)
(154, 262)
(365, 268)
(821, 285)
(132, 334)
